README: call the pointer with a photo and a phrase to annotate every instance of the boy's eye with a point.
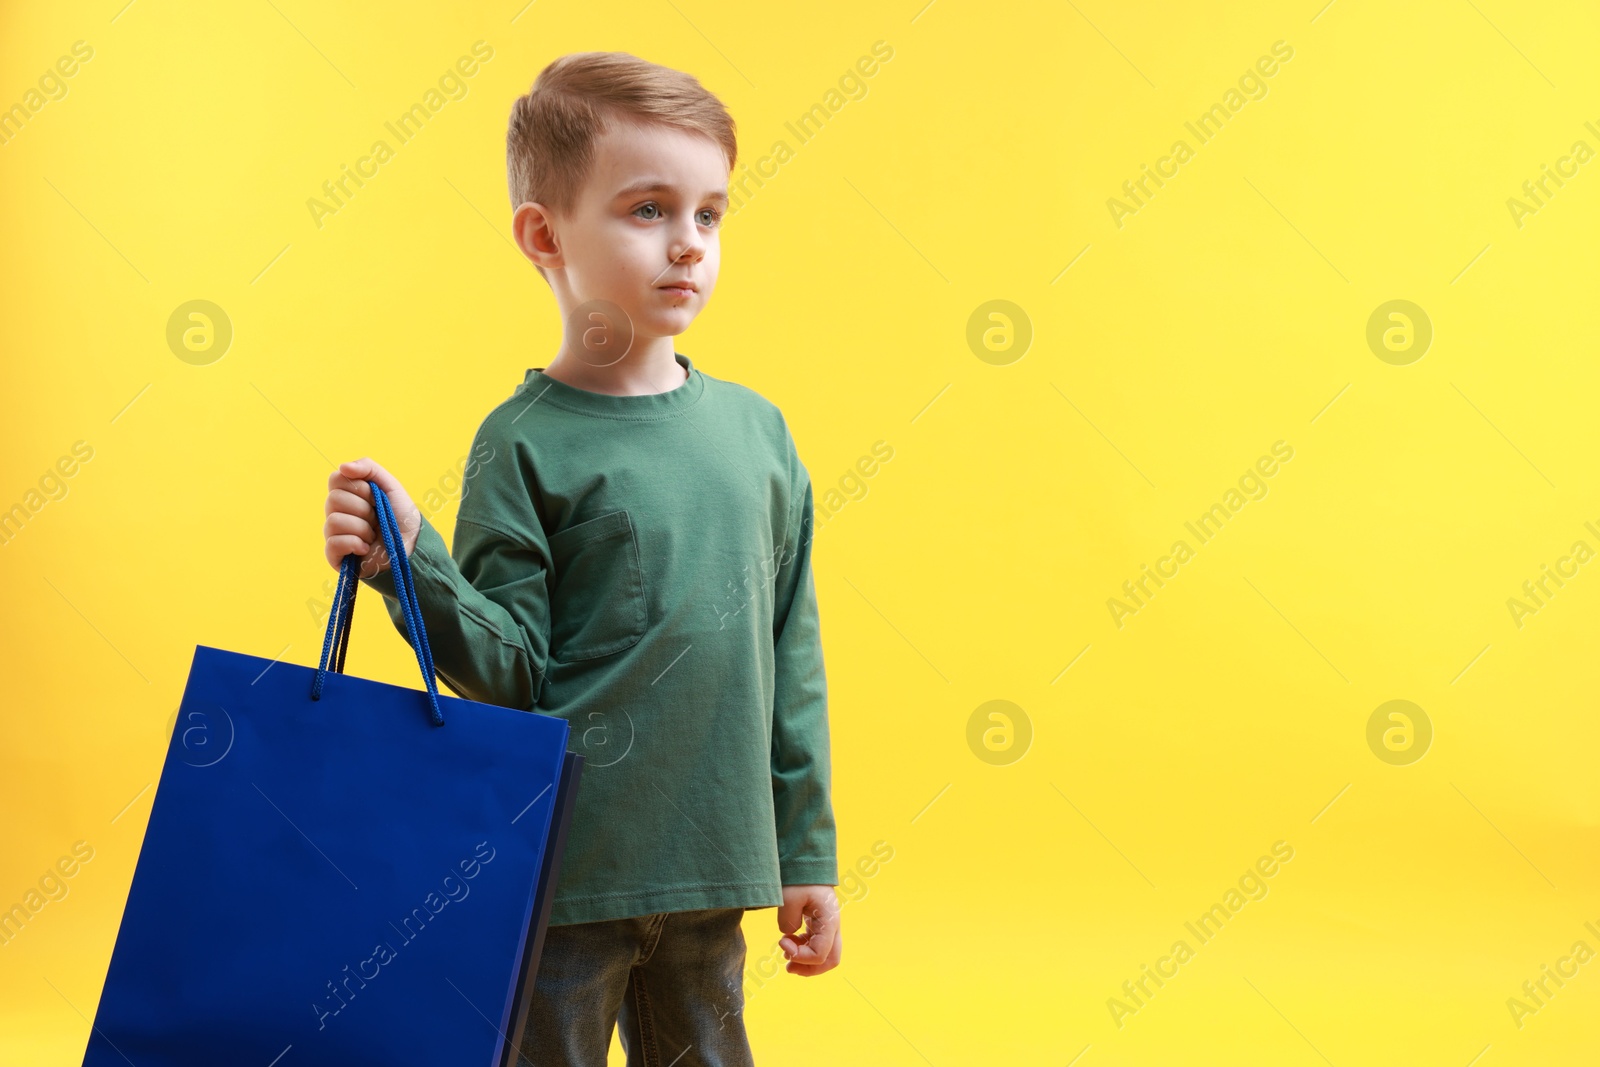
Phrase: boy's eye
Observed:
(709, 216)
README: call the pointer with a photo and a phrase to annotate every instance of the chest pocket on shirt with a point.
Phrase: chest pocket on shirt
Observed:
(597, 606)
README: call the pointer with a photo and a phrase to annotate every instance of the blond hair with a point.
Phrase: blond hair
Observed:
(550, 138)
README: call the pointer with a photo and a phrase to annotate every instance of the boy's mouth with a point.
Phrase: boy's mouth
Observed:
(683, 290)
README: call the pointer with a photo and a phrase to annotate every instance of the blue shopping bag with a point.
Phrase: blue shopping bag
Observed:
(338, 871)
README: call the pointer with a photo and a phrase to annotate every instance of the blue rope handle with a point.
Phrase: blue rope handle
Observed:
(416, 633)
(337, 638)
(344, 604)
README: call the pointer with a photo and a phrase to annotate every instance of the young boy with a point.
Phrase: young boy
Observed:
(633, 554)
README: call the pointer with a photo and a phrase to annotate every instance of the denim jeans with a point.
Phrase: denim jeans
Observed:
(673, 982)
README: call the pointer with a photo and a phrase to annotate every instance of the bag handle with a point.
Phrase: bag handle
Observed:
(344, 605)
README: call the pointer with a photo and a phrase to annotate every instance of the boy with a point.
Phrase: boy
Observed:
(633, 554)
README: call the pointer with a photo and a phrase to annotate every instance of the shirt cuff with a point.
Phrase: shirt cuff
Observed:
(809, 872)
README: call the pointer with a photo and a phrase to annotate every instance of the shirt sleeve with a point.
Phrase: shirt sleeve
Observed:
(807, 849)
(486, 607)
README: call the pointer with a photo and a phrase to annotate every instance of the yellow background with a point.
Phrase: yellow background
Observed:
(1230, 312)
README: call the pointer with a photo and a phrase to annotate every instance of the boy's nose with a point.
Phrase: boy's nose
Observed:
(687, 246)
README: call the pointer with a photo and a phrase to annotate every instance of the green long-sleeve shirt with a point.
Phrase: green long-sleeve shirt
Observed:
(641, 567)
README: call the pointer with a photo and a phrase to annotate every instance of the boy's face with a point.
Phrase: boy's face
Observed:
(646, 218)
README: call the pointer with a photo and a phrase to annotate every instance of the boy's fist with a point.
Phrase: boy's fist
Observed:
(819, 948)
(352, 524)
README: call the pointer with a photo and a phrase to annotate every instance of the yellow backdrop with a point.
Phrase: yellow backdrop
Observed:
(1189, 385)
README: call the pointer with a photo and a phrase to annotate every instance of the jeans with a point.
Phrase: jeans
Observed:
(673, 982)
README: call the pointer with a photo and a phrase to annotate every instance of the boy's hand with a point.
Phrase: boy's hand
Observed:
(819, 948)
(352, 524)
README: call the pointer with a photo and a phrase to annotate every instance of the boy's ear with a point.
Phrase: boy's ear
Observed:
(532, 226)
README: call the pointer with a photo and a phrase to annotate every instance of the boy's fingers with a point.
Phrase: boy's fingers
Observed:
(337, 548)
(813, 948)
(339, 522)
(808, 969)
(373, 558)
(346, 501)
(819, 940)
(344, 544)
(364, 470)
(356, 487)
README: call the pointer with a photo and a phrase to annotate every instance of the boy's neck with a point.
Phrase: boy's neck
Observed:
(640, 373)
